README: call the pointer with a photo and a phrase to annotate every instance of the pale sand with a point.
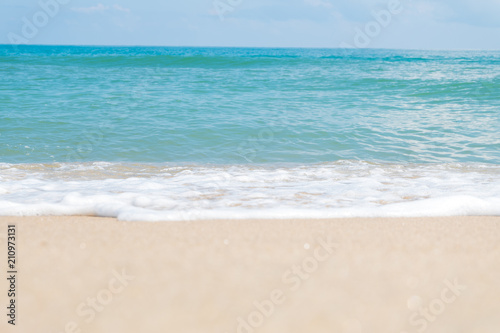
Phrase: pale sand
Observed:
(202, 276)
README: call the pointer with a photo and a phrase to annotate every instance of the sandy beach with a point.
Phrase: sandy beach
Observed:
(86, 274)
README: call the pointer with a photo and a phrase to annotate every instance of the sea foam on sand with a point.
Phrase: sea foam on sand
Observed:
(144, 192)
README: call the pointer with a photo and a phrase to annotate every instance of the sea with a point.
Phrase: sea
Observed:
(190, 133)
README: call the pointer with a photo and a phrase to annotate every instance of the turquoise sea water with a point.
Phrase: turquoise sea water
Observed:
(277, 131)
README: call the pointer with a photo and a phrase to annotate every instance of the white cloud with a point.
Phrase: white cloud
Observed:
(121, 9)
(100, 8)
(318, 3)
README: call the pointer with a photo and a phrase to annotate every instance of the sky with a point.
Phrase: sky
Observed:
(397, 24)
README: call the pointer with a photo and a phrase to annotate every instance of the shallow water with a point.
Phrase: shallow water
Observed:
(186, 133)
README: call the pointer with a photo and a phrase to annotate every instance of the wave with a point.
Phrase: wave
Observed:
(155, 192)
(227, 57)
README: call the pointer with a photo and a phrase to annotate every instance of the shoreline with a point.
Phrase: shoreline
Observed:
(94, 218)
(348, 275)
(340, 189)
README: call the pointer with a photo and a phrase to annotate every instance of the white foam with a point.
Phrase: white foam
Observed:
(135, 192)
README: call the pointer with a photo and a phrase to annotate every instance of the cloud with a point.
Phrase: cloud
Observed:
(87, 10)
(478, 13)
(318, 3)
(100, 8)
(121, 9)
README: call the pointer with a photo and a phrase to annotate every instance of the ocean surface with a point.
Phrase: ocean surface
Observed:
(177, 133)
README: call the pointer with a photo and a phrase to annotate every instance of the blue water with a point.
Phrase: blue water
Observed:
(229, 106)
(226, 112)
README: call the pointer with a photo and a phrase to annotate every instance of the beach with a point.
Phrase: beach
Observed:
(249, 190)
(91, 274)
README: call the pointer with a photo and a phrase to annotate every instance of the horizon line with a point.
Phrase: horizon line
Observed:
(249, 47)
